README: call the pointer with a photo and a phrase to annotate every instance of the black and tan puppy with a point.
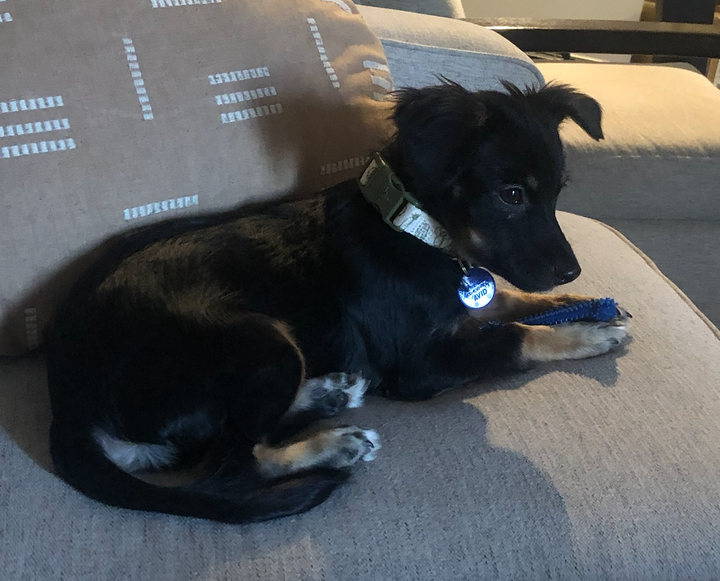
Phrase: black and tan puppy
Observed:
(224, 337)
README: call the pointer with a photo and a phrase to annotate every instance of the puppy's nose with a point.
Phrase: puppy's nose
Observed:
(565, 273)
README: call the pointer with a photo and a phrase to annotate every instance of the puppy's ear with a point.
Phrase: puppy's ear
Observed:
(434, 128)
(562, 101)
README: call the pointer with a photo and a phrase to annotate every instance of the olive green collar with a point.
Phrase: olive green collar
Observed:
(398, 208)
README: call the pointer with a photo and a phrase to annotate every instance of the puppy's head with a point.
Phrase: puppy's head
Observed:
(489, 167)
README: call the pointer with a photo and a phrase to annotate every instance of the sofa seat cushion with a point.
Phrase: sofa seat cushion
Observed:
(599, 469)
(686, 251)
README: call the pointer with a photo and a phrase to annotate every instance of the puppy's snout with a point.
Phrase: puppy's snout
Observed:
(565, 273)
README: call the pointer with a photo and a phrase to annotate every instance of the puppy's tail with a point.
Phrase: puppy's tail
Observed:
(80, 462)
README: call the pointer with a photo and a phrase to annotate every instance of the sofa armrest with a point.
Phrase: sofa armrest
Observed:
(608, 36)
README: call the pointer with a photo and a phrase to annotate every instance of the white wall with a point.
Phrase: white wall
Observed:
(578, 9)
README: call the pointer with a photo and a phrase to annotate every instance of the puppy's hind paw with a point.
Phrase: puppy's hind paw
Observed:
(352, 444)
(332, 393)
(353, 385)
(333, 448)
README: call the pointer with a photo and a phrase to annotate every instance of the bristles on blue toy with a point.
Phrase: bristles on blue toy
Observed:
(601, 310)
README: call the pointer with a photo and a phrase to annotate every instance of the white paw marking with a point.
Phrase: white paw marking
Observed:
(355, 390)
(315, 389)
(374, 438)
(134, 456)
(599, 338)
(352, 444)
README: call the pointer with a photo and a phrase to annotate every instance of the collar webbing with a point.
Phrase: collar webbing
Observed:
(398, 208)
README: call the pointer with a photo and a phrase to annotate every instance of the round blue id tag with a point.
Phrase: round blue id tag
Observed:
(477, 288)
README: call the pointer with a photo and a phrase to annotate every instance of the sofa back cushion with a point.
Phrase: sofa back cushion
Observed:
(420, 48)
(116, 113)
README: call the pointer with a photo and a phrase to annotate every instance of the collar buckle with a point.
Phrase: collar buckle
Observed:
(384, 191)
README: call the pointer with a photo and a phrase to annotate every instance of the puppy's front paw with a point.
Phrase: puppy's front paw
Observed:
(576, 340)
(622, 318)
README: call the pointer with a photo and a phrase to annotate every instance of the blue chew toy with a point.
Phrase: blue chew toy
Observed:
(602, 310)
(477, 290)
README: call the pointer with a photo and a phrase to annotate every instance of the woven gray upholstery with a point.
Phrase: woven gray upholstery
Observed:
(419, 48)
(587, 470)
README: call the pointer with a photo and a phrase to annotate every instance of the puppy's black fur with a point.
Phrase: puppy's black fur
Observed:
(194, 335)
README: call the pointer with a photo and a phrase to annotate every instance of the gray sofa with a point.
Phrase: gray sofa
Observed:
(599, 469)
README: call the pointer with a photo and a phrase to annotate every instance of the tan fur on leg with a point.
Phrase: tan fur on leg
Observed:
(511, 305)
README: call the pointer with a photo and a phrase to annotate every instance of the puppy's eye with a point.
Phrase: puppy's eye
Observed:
(513, 195)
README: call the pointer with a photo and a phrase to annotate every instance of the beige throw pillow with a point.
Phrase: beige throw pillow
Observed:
(116, 113)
